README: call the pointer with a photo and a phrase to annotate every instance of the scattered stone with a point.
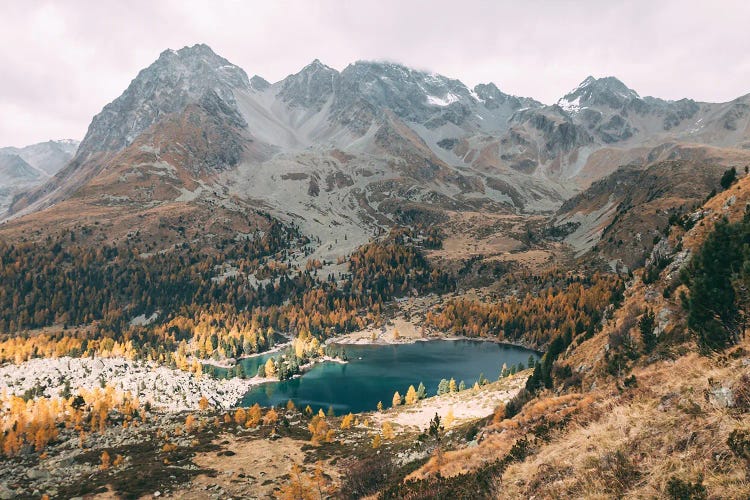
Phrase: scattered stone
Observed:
(161, 386)
(6, 493)
(722, 397)
(37, 474)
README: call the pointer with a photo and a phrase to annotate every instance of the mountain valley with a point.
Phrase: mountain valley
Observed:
(210, 221)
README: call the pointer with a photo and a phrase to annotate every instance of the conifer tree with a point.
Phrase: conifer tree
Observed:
(443, 387)
(203, 403)
(396, 399)
(411, 395)
(449, 417)
(270, 368)
(240, 416)
(346, 422)
(713, 312)
(646, 325)
(421, 391)
(388, 430)
(271, 417)
(105, 460)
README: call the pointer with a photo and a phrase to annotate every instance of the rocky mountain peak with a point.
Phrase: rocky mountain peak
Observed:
(174, 80)
(13, 168)
(412, 95)
(493, 98)
(607, 91)
(199, 61)
(46, 157)
(311, 87)
(259, 83)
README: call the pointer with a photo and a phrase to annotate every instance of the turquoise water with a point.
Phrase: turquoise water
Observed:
(375, 372)
(250, 366)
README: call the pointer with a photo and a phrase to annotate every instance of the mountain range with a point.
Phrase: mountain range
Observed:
(343, 154)
(24, 168)
(181, 293)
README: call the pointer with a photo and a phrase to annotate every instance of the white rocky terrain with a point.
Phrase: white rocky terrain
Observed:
(164, 388)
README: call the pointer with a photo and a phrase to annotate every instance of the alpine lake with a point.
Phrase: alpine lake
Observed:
(374, 372)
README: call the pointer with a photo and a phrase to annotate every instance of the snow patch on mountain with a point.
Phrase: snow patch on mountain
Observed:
(447, 100)
(570, 106)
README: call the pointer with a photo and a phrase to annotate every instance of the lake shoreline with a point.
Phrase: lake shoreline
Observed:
(376, 370)
(228, 363)
(408, 334)
(432, 338)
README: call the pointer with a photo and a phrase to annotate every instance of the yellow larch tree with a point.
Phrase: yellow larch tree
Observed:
(254, 414)
(346, 422)
(396, 399)
(388, 430)
(411, 395)
(240, 416)
(449, 418)
(105, 459)
(203, 403)
(271, 417)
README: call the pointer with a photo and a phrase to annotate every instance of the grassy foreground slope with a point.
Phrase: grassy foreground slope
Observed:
(642, 409)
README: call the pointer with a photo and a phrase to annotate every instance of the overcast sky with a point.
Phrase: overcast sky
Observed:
(63, 61)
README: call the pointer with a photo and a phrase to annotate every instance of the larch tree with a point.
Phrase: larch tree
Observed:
(411, 395)
(105, 460)
(271, 417)
(388, 430)
(270, 368)
(346, 422)
(189, 422)
(240, 416)
(319, 430)
(253, 416)
(449, 418)
(396, 399)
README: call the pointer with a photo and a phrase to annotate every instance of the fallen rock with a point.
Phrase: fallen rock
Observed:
(6, 493)
(37, 474)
